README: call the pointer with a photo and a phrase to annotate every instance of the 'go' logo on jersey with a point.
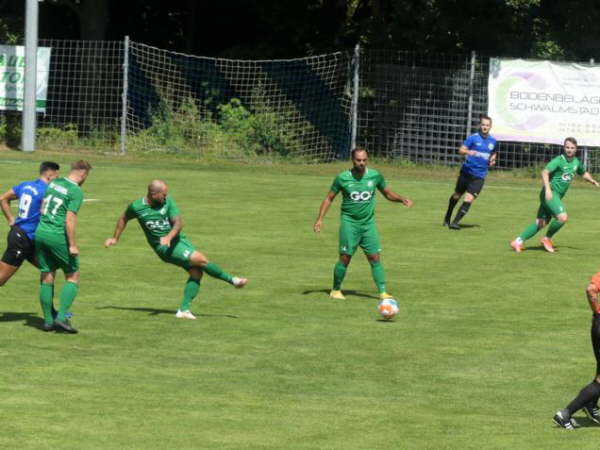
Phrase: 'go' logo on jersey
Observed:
(567, 176)
(363, 196)
(158, 224)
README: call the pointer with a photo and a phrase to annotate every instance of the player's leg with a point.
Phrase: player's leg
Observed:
(459, 190)
(70, 266)
(197, 259)
(588, 397)
(474, 187)
(190, 291)
(542, 218)
(349, 236)
(18, 248)
(6, 271)
(47, 298)
(371, 245)
(591, 408)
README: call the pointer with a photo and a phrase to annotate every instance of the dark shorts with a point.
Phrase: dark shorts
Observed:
(469, 183)
(19, 248)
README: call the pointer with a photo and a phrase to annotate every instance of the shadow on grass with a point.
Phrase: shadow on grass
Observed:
(156, 312)
(349, 293)
(31, 319)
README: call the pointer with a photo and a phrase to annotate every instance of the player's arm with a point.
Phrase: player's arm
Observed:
(325, 204)
(493, 157)
(70, 225)
(394, 197)
(176, 227)
(464, 150)
(592, 296)
(588, 177)
(5, 205)
(121, 224)
(546, 181)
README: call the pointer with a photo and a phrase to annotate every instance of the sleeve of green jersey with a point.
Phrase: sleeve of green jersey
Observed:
(130, 212)
(173, 210)
(381, 182)
(75, 200)
(336, 185)
(553, 164)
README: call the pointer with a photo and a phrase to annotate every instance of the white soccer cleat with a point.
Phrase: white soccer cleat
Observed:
(239, 282)
(187, 314)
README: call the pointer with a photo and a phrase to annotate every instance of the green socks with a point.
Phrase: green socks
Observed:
(339, 272)
(189, 293)
(67, 297)
(46, 297)
(216, 272)
(378, 275)
(555, 225)
(529, 232)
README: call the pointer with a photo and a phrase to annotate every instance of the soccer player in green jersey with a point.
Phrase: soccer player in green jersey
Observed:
(161, 222)
(56, 245)
(357, 223)
(557, 177)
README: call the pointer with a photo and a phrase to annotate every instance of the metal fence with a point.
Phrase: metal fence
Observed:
(125, 96)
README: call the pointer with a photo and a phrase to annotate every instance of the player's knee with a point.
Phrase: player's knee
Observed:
(541, 223)
(562, 218)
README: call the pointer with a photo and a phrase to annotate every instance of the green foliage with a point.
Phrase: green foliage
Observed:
(235, 131)
(10, 129)
(57, 138)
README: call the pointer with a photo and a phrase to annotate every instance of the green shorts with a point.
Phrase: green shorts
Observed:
(552, 208)
(178, 253)
(354, 234)
(52, 252)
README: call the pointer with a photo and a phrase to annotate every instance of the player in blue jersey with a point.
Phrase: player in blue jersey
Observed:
(480, 151)
(22, 228)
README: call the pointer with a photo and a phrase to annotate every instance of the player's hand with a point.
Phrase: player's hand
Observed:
(596, 183)
(492, 162)
(166, 241)
(11, 222)
(407, 202)
(73, 250)
(317, 226)
(110, 241)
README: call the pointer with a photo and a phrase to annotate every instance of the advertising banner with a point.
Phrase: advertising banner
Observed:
(542, 101)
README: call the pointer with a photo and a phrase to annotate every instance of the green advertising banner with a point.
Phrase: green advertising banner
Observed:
(12, 77)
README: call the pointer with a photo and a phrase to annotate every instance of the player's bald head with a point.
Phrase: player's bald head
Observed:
(157, 186)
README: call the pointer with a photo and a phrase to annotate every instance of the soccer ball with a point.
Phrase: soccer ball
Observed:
(388, 308)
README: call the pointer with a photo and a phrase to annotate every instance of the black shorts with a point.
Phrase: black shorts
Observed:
(469, 183)
(19, 248)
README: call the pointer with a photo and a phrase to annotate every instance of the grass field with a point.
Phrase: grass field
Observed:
(487, 346)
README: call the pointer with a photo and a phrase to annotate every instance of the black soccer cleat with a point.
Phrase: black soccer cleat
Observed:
(592, 411)
(560, 421)
(454, 226)
(446, 223)
(48, 327)
(64, 326)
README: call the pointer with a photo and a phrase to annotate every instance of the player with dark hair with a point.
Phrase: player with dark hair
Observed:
(21, 237)
(587, 399)
(56, 245)
(161, 222)
(357, 221)
(480, 151)
(557, 177)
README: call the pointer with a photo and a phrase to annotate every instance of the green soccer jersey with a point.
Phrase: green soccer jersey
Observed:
(155, 221)
(62, 195)
(562, 171)
(358, 203)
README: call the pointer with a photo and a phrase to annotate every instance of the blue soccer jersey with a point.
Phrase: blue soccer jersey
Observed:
(30, 195)
(477, 165)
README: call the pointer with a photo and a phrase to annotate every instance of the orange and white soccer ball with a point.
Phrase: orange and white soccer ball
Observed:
(388, 308)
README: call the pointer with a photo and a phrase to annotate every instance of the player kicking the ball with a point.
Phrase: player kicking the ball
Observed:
(557, 177)
(357, 223)
(587, 399)
(160, 219)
